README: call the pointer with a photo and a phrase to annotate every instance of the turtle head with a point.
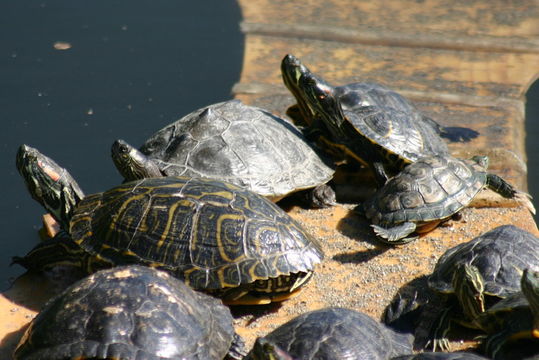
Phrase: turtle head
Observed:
(323, 103)
(481, 160)
(530, 288)
(131, 163)
(292, 70)
(265, 349)
(49, 184)
(469, 287)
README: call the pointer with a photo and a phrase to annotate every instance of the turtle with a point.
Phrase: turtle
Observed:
(458, 355)
(234, 142)
(430, 191)
(467, 280)
(331, 333)
(131, 312)
(357, 95)
(215, 236)
(382, 138)
(513, 319)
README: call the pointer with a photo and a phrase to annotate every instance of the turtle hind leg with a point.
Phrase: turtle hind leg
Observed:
(395, 235)
(238, 349)
(502, 187)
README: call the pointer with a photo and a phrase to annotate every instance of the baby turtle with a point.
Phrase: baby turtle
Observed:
(331, 333)
(466, 281)
(513, 319)
(428, 192)
(215, 236)
(232, 142)
(131, 312)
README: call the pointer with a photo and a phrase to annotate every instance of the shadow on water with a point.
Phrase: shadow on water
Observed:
(131, 68)
(532, 141)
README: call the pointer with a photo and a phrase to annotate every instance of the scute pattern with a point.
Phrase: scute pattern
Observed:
(500, 255)
(241, 144)
(338, 333)
(432, 188)
(210, 233)
(129, 313)
(397, 132)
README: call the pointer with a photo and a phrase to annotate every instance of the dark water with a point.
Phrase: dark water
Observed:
(133, 67)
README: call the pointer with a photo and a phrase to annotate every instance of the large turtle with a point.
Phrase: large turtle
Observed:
(233, 142)
(215, 236)
(513, 319)
(131, 312)
(381, 137)
(428, 192)
(467, 280)
(357, 95)
(331, 333)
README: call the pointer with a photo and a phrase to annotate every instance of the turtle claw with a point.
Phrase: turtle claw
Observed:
(439, 344)
(525, 199)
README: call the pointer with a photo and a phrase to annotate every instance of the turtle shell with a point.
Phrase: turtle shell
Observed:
(391, 120)
(210, 233)
(357, 95)
(396, 132)
(241, 144)
(500, 255)
(129, 313)
(433, 188)
(459, 355)
(337, 333)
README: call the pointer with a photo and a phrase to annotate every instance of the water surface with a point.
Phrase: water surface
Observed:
(131, 67)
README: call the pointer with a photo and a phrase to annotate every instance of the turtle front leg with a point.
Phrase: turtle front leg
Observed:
(395, 235)
(435, 324)
(499, 185)
(502, 187)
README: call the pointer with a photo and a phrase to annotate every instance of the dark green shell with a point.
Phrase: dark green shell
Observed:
(500, 255)
(337, 334)
(396, 132)
(432, 188)
(129, 313)
(210, 233)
